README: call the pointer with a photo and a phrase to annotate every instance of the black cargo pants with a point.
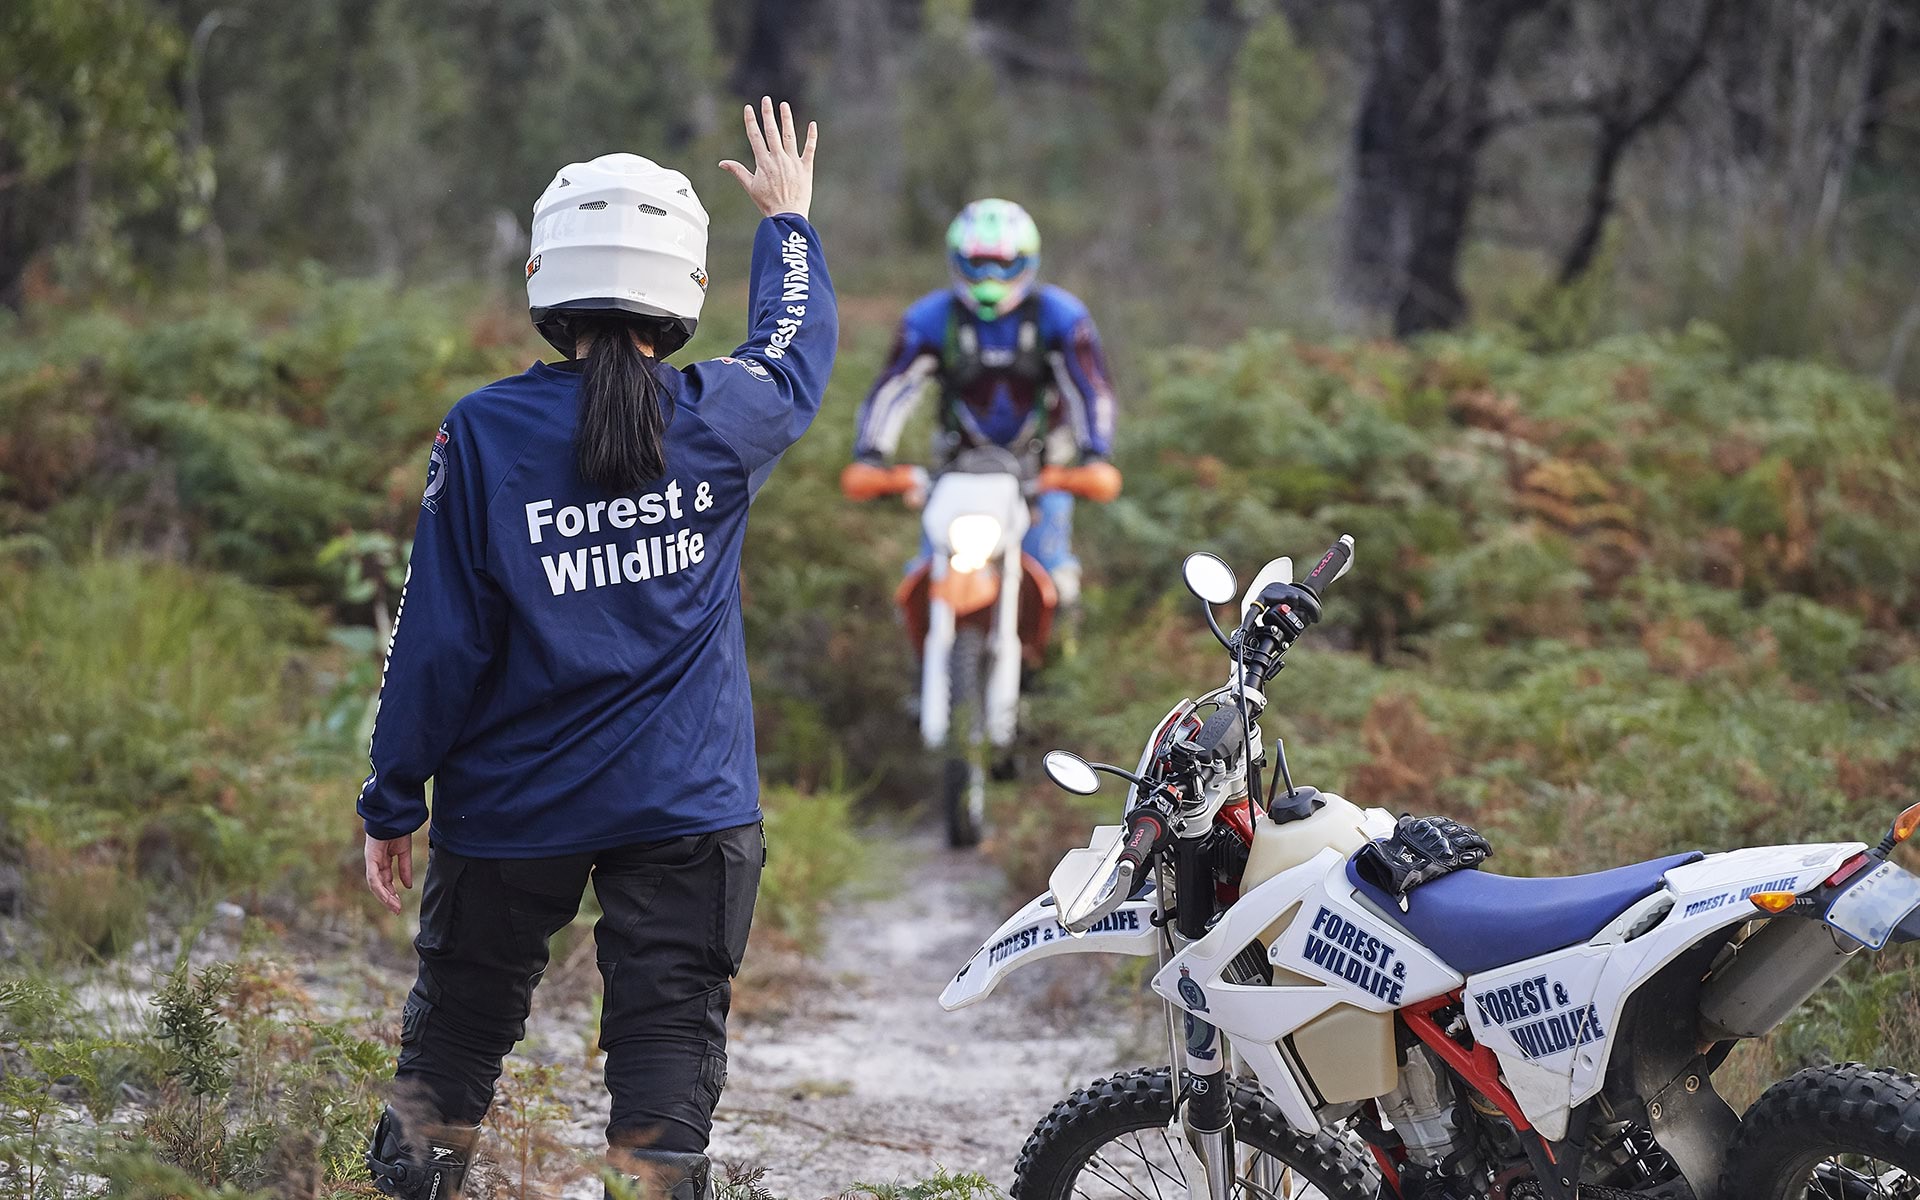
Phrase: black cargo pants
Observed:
(672, 933)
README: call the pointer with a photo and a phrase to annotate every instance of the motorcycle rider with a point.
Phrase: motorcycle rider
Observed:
(1016, 365)
(570, 670)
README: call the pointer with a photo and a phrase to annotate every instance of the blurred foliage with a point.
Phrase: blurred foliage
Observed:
(1277, 97)
(152, 729)
(90, 135)
(813, 853)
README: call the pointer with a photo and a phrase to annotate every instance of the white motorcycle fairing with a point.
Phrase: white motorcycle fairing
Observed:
(1555, 1056)
(996, 495)
(1552, 1020)
(1033, 933)
(1328, 950)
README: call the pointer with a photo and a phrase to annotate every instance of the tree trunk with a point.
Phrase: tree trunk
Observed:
(14, 250)
(1430, 295)
(906, 18)
(1892, 74)
(769, 64)
(1611, 148)
(1416, 153)
(1029, 39)
(1622, 120)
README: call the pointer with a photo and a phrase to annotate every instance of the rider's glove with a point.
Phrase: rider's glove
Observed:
(1421, 848)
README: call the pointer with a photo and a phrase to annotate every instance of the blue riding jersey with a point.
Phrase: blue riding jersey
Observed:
(1001, 404)
(568, 666)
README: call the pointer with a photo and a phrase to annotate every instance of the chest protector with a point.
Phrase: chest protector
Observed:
(964, 362)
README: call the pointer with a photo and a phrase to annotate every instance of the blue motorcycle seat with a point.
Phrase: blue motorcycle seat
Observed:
(1476, 920)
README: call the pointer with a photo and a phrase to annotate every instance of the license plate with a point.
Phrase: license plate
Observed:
(1868, 911)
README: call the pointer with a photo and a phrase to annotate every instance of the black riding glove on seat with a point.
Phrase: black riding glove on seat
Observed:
(1421, 848)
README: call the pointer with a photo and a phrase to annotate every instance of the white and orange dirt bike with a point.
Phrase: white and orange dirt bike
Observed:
(979, 610)
(1469, 1035)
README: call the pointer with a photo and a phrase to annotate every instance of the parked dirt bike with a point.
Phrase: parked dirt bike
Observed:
(1473, 1035)
(973, 632)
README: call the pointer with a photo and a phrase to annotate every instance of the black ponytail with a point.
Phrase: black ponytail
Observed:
(620, 441)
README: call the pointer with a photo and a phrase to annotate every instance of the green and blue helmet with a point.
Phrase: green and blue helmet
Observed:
(993, 247)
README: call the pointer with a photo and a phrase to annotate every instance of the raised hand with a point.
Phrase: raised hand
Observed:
(782, 177)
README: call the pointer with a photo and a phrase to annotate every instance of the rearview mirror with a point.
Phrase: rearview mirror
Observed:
(1071, 772)
(1209, 577)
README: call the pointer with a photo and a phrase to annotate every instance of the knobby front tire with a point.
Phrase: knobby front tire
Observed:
(1081, 1148)
(963, 775)
(1828, 1131)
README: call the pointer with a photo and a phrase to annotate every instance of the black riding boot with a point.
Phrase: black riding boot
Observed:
(425, 1162)
(666, 1174)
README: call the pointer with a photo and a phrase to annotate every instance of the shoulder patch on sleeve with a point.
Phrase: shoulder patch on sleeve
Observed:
(436, 472)
(756, 369)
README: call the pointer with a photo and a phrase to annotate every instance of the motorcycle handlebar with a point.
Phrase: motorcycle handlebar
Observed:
(1146, 832)
(1332, 565)
(1098, 481)
(864, 481)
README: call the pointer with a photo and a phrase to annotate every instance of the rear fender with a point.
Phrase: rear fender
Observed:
(1034, 933)
(1703, 901)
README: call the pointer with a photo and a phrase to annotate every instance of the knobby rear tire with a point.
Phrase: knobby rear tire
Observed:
(1133, 1101)
(1815, 1114)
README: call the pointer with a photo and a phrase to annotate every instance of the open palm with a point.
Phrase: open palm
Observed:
(782, 177)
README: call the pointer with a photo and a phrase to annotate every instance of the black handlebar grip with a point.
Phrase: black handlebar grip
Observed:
(1330, 567)
(1144, 832)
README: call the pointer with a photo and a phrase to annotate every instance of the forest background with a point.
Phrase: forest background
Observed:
(1594, 322)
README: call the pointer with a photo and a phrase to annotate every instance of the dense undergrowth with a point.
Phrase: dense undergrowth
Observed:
(1610, 601)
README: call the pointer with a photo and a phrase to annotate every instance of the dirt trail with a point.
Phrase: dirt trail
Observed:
(856, 1073)
(843, 1069)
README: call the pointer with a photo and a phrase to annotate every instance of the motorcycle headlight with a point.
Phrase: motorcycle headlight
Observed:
(973, 537)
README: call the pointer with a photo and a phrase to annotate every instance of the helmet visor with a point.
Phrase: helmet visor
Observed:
(980, 268)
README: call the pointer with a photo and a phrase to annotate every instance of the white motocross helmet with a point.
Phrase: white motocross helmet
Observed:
(618, 234)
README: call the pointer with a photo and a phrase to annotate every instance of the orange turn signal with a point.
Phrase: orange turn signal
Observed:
(1773, 902)
(1905, 824)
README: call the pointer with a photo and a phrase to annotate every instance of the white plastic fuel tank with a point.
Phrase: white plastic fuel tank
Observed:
(1336, 823)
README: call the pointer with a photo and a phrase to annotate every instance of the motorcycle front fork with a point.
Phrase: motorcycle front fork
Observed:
(1203, 1105)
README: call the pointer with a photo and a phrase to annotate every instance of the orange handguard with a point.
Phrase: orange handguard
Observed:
(1098, 482)
(864, 481)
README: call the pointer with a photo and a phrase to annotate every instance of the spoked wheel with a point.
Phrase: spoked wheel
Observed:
(963, 777)
(1844, 1132)
(1114, 1140)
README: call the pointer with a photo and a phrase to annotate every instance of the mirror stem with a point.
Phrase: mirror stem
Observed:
(1215, 626)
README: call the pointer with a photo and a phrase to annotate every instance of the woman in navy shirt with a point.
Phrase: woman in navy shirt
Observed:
(568, 665)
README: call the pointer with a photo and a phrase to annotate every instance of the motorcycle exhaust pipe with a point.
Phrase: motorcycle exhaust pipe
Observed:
(1771, 974)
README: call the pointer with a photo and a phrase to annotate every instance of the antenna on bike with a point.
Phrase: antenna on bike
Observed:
(1280, 765)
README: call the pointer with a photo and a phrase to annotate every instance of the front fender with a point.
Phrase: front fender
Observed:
(1033, 934)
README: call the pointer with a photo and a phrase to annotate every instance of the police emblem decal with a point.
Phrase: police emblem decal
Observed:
(436, 472)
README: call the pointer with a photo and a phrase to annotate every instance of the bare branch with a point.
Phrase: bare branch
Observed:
(1560, 108)
(1618, 129)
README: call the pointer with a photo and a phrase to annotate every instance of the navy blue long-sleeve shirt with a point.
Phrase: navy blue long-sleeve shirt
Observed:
(568, 666)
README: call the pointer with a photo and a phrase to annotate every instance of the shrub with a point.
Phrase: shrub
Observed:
(813, 853)
(151, 728)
